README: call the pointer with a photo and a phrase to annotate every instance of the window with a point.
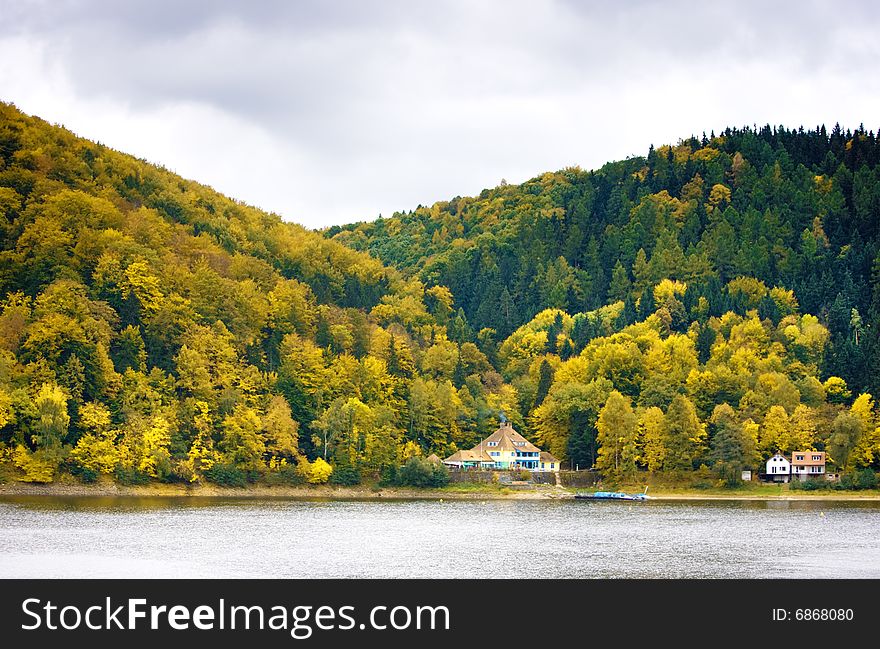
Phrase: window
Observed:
(800, 457)
(492, 444)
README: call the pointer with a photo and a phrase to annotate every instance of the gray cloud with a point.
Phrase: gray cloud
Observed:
(364, 107)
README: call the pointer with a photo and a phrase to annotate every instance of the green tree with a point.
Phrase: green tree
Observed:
(684, 436)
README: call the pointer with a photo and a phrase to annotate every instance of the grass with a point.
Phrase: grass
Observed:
(752, 489)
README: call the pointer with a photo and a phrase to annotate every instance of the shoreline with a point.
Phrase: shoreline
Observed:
(18, 489)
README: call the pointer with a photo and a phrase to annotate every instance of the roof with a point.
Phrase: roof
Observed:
(469, 456)
(433, 458)
(508, 440)
(548, 457)
(808, 458)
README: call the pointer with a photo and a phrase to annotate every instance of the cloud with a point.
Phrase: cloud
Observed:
(330, 112)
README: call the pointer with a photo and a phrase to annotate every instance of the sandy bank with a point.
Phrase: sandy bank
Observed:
(541, 492)
(260, 491)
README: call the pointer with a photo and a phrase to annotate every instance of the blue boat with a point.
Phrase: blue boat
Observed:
(612, 495)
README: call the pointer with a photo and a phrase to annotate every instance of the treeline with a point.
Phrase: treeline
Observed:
(791, 208)
(151, 329)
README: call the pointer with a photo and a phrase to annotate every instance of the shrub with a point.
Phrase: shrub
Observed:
(227, 475)
(729, 474)
(130, 476)
(84, 473)
(39, 465)
(865, 479)
(809, 485)
(318, 472)
(419, 472)
(861, 479)
(388, 476)
(346, 476)
(289, 474)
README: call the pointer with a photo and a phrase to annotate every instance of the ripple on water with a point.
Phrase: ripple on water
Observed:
(70, 537)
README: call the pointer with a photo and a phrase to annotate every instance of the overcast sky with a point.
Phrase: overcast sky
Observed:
(333, 112)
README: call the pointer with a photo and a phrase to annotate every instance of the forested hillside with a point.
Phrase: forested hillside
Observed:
(799, 209)
(707, 305)
(152, 328)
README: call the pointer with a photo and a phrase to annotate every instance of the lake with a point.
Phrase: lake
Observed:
(215, 537)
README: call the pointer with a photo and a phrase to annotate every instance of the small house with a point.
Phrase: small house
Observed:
(808, 464)
(778, 468)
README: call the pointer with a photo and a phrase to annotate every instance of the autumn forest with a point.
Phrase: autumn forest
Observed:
(695, 309)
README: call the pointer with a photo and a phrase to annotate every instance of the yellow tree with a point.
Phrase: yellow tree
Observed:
(651, 438)
(52, 418)
(202, 455)
(867, 446)
(803, 429)
(155, 441)
(775, 432)
(96, 449)
(617, 438)
(241, 442)
(280, 429)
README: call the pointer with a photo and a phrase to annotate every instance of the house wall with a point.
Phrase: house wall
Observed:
(782, 466)
(808, 472)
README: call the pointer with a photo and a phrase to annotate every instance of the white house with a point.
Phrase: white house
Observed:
(778, 468)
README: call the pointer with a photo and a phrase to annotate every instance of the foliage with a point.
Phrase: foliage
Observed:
(420, 472)
(227, 475)
(702, 306)
(617, 439)
(318, 472)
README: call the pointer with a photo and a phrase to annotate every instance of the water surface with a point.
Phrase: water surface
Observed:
(216, 537)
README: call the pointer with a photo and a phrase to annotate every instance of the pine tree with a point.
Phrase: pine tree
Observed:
(646, 305)
(545, 379)
(620, 283)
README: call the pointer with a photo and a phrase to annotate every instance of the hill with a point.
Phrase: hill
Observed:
(653, 315)
(792, 208)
